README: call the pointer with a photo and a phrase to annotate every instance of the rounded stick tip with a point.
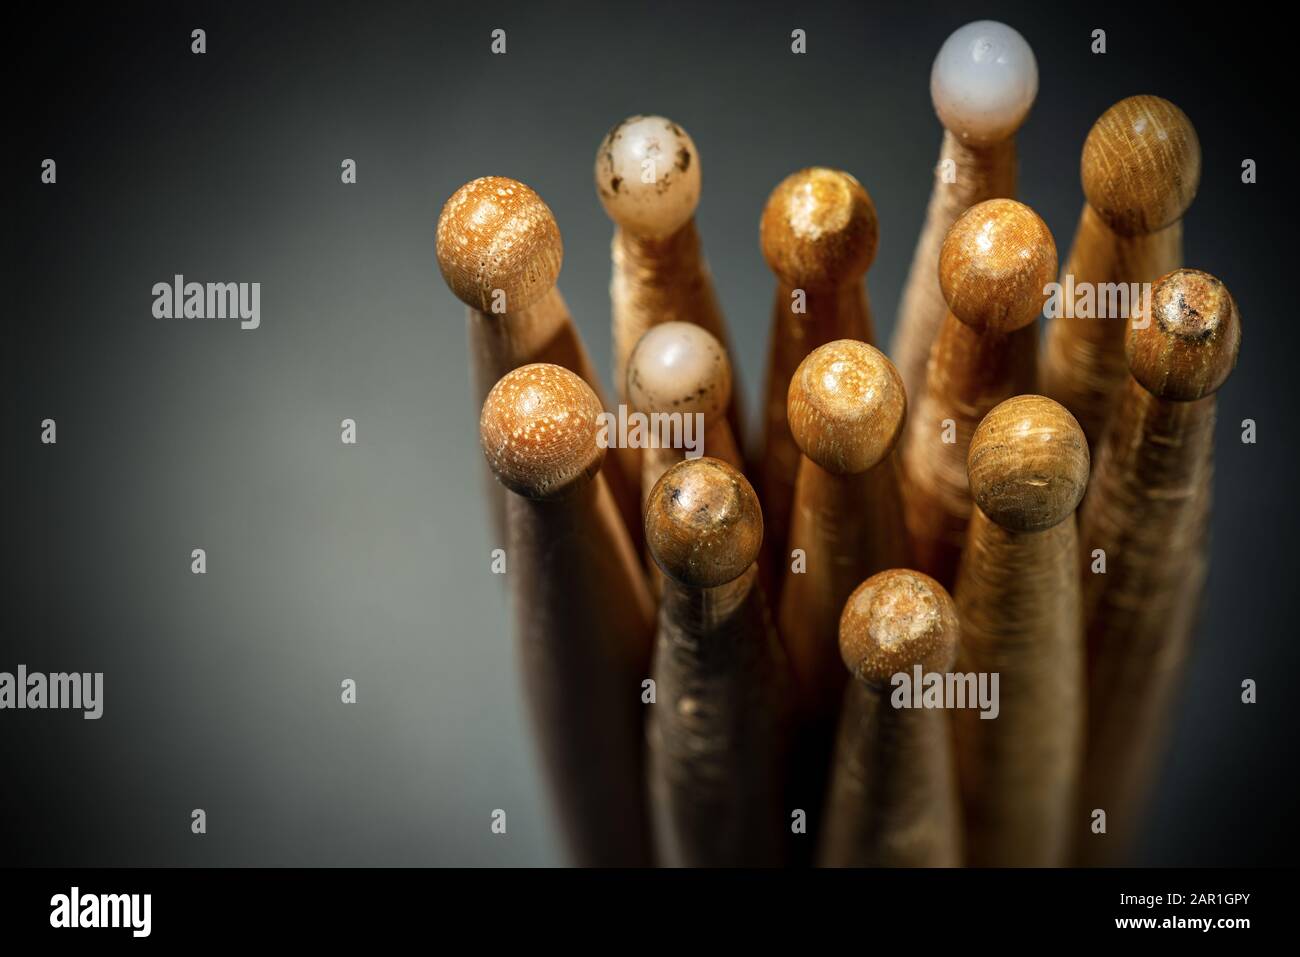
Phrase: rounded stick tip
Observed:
(983, 82)
(679, 367)
(1187, 346)
(703, 523)
(995, 265)
(539, 431)
(895, 620)
(846, 406)
(648, 176)
(1028, 464)
(1141, 165)
(496, 236)
(819, 229)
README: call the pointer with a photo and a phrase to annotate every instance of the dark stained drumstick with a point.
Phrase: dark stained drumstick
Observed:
(717, 729)
(1018, 601)
(893, 795)
(1148, 512)
(584, 618)
(499, 249)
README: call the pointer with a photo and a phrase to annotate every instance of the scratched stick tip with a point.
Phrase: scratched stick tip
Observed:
(894, 620)
(1187, 346)
(703, 523)
(497, 234)
(1028, 464)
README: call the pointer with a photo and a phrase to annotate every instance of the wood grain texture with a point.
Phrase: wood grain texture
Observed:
(1148, 510)
(495, 234)
(997, 259)
(819, 235)
(1141, 168)
(982, 172)
(718, 730)
(1019, 605)
(583, 614)
(893, 794)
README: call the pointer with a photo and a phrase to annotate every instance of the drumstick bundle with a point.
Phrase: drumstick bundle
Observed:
(912, 630)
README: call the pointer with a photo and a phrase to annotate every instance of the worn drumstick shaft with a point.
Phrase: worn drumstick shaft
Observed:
(846, 411)
(718, 728)
(1018, 601)
(893, 792)
(1147, 517)
(583, 613)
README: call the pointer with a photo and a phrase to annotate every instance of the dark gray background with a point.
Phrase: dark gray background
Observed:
(370, 562)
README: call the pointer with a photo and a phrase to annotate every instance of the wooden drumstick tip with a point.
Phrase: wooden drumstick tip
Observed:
(846, 406)
(995, 265)
(819, 229)
(1028, 464)
(648, 176)
(539, 431)
(679, 367)
(1188, 345)
(497, 234)
(1141, 165)
(983, 82)
(703, 523)
(895, 620)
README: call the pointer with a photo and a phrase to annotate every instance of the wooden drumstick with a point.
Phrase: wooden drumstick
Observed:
(584, 618)
(499, 250)
(1018, 602)
(1148, 512)
(996, 264)
(846, 411)
(717, 730)
(648, 179)
(983, 84)
(819, 236)
(1141, 167)
(893, 794)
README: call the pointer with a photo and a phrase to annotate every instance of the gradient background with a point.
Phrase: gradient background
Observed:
(371, 562)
